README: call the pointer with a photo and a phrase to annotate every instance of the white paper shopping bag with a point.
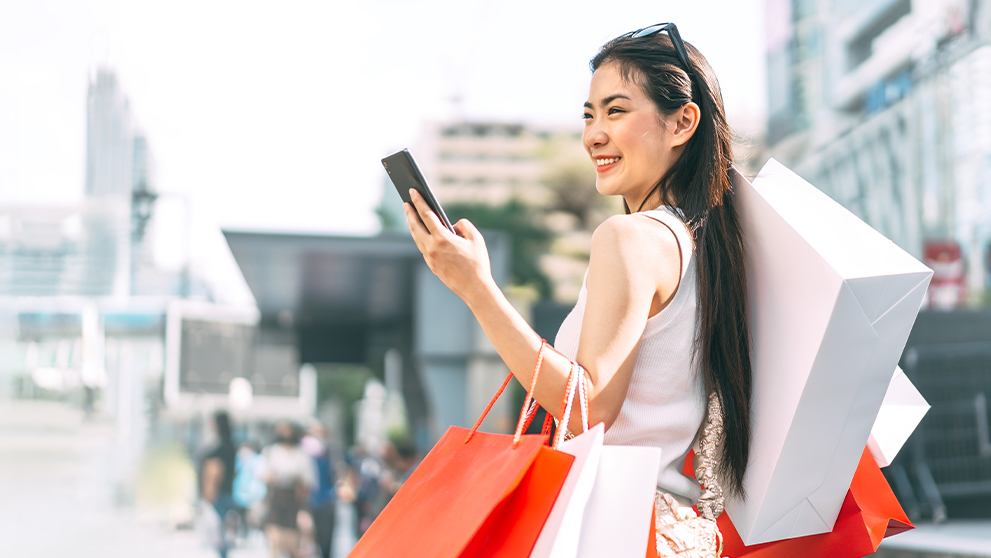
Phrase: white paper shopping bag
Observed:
(832, 302)
(901, 411)
(616, 522)
(559, 537)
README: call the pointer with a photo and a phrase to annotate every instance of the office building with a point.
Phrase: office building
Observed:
(493, 162)
(885, 105)
(109, 138)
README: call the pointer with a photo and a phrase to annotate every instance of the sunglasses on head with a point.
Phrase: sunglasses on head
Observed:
(672, 31)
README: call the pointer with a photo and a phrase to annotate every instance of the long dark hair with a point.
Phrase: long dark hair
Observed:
(700, 185)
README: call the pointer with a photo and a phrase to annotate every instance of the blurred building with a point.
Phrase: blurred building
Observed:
(90, 314)
(109, 139)
(885, 105)
(544, 168)
(493, 162)
(110, 158)
(333, 300)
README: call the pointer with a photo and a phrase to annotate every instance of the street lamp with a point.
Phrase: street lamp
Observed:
(142, 203)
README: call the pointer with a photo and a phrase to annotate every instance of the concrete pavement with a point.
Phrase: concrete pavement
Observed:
(962, 537)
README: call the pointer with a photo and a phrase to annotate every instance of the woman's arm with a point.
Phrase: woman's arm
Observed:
(622, 286)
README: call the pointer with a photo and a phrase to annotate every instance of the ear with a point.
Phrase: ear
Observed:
(685, 120)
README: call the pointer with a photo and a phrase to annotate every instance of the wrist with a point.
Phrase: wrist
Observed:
(481, 292)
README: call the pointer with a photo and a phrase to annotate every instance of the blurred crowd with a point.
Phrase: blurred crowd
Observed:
(290, 489)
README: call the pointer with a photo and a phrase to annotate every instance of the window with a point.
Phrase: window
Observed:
(860, 48)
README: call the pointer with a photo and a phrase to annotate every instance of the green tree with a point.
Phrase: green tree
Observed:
(345, 384)
(529, 239)
(572, 185)
(390, 210)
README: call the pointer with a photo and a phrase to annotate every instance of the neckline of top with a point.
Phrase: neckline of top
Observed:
(677, 212)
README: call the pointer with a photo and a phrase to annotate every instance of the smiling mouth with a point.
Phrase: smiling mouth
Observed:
(606, 163)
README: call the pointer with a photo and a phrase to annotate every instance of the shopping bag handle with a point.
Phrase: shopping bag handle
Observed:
(527, 412)
(576, 386)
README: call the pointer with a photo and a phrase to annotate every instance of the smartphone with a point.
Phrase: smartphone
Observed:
(405, 174)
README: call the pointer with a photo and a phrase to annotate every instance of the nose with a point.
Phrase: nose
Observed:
(595, 135)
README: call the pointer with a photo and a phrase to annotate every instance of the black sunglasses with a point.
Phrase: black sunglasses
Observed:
(672, 31)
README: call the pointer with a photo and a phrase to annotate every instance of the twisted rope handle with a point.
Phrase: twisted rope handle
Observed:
(529, 395)
(576, 383)
(569, 397)
(583, 396)
(526, 413)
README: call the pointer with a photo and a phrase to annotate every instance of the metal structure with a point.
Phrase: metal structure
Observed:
(338, 299)
(948, 358)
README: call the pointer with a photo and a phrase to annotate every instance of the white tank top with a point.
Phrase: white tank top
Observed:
(665, 404)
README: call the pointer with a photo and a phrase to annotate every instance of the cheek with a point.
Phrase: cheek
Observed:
(646, 144)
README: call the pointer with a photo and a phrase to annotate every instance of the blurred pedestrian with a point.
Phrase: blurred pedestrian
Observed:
(323, 497)
(289, 474)
(401, 458)
(217, 480)
(249, 488)
(369, 496)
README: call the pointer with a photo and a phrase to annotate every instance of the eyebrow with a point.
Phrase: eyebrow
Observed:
(608, 100)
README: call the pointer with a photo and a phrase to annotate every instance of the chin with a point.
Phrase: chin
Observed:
(605, 188)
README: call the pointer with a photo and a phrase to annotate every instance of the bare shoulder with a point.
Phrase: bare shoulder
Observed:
(635, 236)
(636, 255)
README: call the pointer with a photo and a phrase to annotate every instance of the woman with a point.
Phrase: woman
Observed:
(289, 475)
(217, 472)
(323, 495)
(661, 320)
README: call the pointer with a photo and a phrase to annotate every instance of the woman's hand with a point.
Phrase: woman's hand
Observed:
(461, 262)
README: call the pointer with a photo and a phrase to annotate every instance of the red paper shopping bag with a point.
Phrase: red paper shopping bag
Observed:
(870, 513)
(474, 494)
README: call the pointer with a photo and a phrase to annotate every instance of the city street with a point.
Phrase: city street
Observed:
(56, 480)
(218, 320)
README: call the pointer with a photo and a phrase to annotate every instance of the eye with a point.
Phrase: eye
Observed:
(587, 116)
(615, 110)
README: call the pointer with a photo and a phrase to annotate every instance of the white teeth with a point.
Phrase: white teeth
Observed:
(600, 162)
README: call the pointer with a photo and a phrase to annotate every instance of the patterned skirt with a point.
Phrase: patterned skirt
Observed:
(680, 532)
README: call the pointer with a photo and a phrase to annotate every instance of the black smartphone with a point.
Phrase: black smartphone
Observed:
(405, 174)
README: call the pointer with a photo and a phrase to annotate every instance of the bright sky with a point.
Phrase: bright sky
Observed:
(274, 115)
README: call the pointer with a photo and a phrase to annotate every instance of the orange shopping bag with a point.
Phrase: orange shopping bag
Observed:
(474, 494)
(869, 513)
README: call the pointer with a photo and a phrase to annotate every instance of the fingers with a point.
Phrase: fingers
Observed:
(419, 232)
(430, 218)
(415, 225)
(466, 229)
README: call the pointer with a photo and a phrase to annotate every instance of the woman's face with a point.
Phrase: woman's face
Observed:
(626, 137)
